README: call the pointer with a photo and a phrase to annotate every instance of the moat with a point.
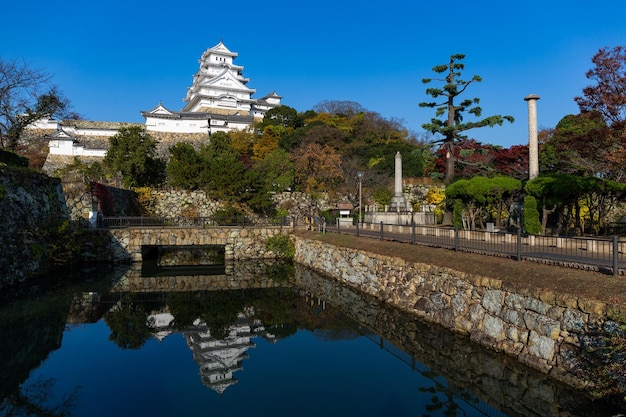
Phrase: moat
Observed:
(250, 338)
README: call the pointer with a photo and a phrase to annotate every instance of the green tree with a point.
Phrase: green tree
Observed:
(502, 193)
(225, 175)
(580, 144)
(471, 194)
(414, 158)
(555, 192)
(132, 153)
(128, 324)
(599, 196)
(277, 171)
(452, 127)
(480, 195)
(281, 116)
(185, 167)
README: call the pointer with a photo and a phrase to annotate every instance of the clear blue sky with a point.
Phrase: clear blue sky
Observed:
(115, 59)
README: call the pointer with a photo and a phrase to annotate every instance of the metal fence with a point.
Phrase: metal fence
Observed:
(602, 254)
(213, 221)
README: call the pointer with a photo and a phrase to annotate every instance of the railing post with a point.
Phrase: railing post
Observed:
(357, 228)
(519, 244)
(338, 225)
(381, 230)
(615, 255)
(456, 239)
(412, 230)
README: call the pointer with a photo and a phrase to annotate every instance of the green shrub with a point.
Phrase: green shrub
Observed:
(281, 245)
(532, 224)
(457, 214)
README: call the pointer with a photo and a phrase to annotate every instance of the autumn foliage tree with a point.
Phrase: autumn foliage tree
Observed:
(317, 167)
(608, 94)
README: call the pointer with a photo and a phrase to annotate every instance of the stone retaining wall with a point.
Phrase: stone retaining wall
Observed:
(503, 382)
(33, 216)
(175, 203)
(542, 329)
(124, 245)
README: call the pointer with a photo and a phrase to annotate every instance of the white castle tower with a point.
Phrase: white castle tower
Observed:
(218, 99)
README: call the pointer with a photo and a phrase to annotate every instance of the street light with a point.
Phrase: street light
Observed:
(360, 177)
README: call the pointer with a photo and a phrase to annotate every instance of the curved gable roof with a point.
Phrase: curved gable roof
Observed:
(226, 80)
(160, 109)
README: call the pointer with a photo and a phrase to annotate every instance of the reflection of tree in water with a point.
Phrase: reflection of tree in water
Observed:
(128, 322)
(33, 399)
(282, 310)
(280, 271)
(217, 309)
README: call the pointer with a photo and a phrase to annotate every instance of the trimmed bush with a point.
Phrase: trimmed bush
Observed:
(532, 224)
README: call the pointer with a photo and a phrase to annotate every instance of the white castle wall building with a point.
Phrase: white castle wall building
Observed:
(217, 100)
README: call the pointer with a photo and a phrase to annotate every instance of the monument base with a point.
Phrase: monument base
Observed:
(400, 218)
(398, 204)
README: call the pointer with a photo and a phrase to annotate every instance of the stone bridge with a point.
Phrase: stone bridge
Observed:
(127, 244)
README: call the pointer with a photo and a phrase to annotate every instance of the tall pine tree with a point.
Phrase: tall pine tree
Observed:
(452, 127)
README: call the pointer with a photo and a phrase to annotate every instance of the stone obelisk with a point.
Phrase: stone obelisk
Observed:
(398, 203)
(533, 147)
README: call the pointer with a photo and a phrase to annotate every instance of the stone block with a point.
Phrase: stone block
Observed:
(592, 306)
(494, 327)
(541, 346)
(493, 301)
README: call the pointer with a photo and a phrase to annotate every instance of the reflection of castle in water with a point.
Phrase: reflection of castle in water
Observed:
(218, 359)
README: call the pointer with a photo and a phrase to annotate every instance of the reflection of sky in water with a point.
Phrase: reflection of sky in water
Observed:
(313, 362)
(301, 375)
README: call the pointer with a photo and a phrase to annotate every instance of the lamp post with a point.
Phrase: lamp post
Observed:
(360, 177)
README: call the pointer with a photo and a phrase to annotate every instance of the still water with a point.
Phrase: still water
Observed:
(249, 339)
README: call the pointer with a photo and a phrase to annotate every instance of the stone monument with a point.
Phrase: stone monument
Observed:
(399, 212)
(398, 202)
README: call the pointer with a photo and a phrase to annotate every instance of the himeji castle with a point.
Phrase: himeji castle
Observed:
(218, 99)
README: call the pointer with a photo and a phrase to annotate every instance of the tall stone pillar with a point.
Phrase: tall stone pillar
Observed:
(397, 183)
(533, 146)
(398, 203)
